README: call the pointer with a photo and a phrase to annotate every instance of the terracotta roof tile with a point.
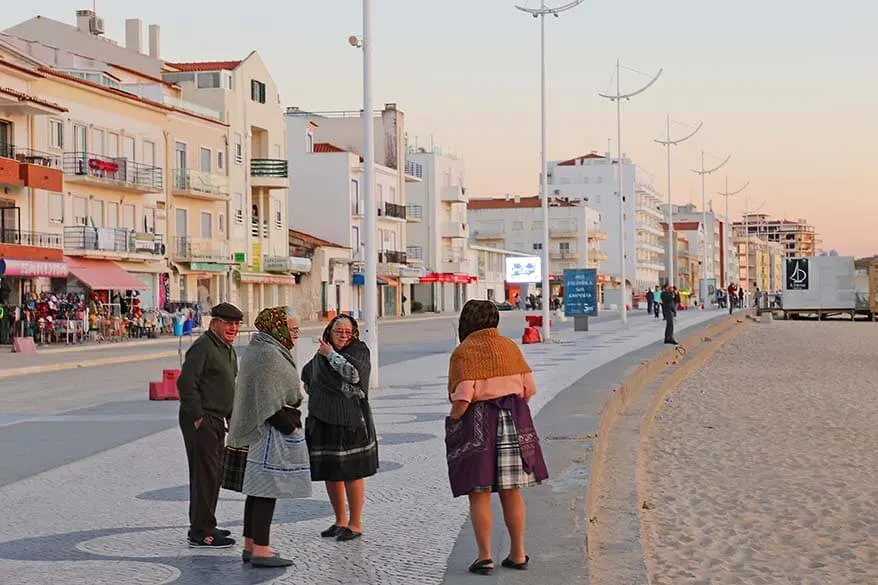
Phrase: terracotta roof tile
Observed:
(572, 162)
(308, 238)
(206, 66)
(682, 226)
(328, 147)
(523, 202)
(24, 97)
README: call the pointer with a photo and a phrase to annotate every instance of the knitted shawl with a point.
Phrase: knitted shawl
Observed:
(485, 354)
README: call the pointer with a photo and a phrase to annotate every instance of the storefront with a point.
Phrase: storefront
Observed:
(205, 283)
(259, 290)
(450, 290)
(149, 275)
(358, 280)
(21, 278)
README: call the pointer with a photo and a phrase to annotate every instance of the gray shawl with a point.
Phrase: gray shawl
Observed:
(267, 381)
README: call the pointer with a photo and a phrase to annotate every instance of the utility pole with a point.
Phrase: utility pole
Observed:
(672, 242)
(541, 13)
(618, 97)
(370, 214)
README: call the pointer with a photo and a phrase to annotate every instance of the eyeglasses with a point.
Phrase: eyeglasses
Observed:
(294, 330)
(228, 322)
(341, 333)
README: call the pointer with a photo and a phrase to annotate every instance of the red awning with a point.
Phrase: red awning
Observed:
(448, 277)
(28, 268)
(102, 274)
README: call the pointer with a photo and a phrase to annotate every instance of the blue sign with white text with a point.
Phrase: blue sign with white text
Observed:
(580, 292)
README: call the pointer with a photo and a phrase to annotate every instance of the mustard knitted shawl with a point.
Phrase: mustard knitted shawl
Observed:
(485, 354)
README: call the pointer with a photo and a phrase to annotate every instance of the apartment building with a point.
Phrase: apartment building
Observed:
(326, 290)
(798, 238)
(689, 236)
(761, 264)
(438, 232)
(591, 177)
(515, 223)
(325, 159)
(175, 173)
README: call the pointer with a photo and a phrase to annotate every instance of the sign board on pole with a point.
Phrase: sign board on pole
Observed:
(580, 292)
(798, 275)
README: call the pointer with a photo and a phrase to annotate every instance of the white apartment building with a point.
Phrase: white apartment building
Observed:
(324, 151)
(592, 176)
(717, 234)
(516, 223)
(211, 134)
(438, 232)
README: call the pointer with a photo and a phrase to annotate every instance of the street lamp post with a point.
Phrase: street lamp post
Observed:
(672, 244)
(370, 214)
(541, 13)
(618, 97)
(703, 172)
(728, 194)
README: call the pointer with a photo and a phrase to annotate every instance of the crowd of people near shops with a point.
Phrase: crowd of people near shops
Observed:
(93, 316)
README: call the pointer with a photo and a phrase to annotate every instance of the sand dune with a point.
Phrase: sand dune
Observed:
(762, 467)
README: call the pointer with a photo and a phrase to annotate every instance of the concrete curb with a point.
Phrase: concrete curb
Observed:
(626, 401)
(144, 357)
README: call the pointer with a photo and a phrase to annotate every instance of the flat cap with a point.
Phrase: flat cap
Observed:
(227, 311)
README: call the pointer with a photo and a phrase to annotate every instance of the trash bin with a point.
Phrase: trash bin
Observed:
(178, 328)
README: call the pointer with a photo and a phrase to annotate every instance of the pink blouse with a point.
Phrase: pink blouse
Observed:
(480, 390)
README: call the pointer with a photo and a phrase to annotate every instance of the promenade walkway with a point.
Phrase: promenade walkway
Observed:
(119, 516)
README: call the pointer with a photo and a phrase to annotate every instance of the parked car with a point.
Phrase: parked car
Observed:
(504, 306)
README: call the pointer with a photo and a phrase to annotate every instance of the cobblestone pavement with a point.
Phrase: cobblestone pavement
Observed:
(120, 515)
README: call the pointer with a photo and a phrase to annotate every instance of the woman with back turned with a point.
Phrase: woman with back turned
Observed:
(490, 440)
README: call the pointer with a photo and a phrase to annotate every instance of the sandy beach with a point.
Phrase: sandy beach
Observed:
(761, 468)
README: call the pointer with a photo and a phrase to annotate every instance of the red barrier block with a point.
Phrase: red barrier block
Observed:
(531, 335)
(23, 345)
(163, 390)
(170, 375)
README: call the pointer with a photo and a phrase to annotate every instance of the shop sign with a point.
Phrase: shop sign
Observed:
(32, 268)
(207, 267)
(257, 257)
(240, 257)
(580, 292)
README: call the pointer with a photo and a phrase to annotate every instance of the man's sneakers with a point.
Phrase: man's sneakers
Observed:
(219, 539)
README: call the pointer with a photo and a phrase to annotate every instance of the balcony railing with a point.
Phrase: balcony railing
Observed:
(35, 239)
(254, 228)
(414, 212)
(200, 182)
(414, 169)
(392, 210)
(119, 170)
(414, 253)
(115, 240)
(269, 167)
(29, 156)
(391, 257)
(200, 249)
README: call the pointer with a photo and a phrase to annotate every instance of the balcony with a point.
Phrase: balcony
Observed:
(563, 231)
(254, 228)
(392, 211)
(597, 255)
(455, 265)
(564, 254)
(597, 236)
(200, 185)
(270, 173)
(82, 240)
(489, 233)
(34, 239)
(121, 173)
(453, 229)
(414, 213)
(31, 168)
(391, 257)
(413, 169)
(454, 194)
(286, 264)
(188, 249)
(414, 255)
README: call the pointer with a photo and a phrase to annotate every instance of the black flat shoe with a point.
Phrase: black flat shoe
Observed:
(347, 534)
(482, 567)
(510, 564)
(246, 555)
(272, 562)
(332, 531)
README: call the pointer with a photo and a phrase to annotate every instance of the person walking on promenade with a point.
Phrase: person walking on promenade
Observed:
(491, 443)
(342, 443)
(656, 301)
(648, 301)
(669, 311)
(207, 391)
(267, 422)
(733, 297)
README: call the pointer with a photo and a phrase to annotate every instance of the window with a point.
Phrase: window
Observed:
(380, 198)
(97, 213)
(206, 159)
(220, 162)
(80, 138)
(128, 147)
(80, 211)
(149, 153)
(209, 80)
(128, 217)
(382, 245)
(56, 208)
(148, 220)
(56, 134)
(393, 194)
(206, 225)
(221, 223)
(238, 207)
(97, 141)
(257, 91)
(238, 149)
(538, 246)
(278, 214)
(391, 241)
(112, 214)
(517, 225)
(355, 240)
(112, 144)
(564, 247)
(182, 218)
(355, 197)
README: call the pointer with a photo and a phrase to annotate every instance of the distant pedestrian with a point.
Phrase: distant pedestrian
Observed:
(491, 443)
(267, 422)
(340, 431)
(207, 390)
(656, 301)
(741, 297)
(648, 302)
(669, 312)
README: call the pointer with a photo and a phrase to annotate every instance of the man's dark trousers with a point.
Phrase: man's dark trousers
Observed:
(669, 327)
(205, 447)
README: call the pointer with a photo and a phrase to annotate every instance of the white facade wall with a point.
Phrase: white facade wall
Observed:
(594, 178)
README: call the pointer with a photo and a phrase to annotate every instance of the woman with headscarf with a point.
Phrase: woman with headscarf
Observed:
(340, 430)
(266, 421)
(490, 440)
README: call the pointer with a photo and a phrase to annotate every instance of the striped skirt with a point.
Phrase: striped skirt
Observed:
(340, 453)
(509, 471)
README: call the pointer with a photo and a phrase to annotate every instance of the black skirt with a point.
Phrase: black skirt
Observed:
(340, 453)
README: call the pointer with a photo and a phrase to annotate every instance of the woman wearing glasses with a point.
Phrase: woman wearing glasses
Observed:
(339, 430)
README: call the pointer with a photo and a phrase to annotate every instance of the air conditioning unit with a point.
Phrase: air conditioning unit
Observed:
(96, 25)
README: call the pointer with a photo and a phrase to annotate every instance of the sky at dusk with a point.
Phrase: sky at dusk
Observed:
(787, 88)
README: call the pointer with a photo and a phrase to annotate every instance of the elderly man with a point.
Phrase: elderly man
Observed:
(207, 391)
